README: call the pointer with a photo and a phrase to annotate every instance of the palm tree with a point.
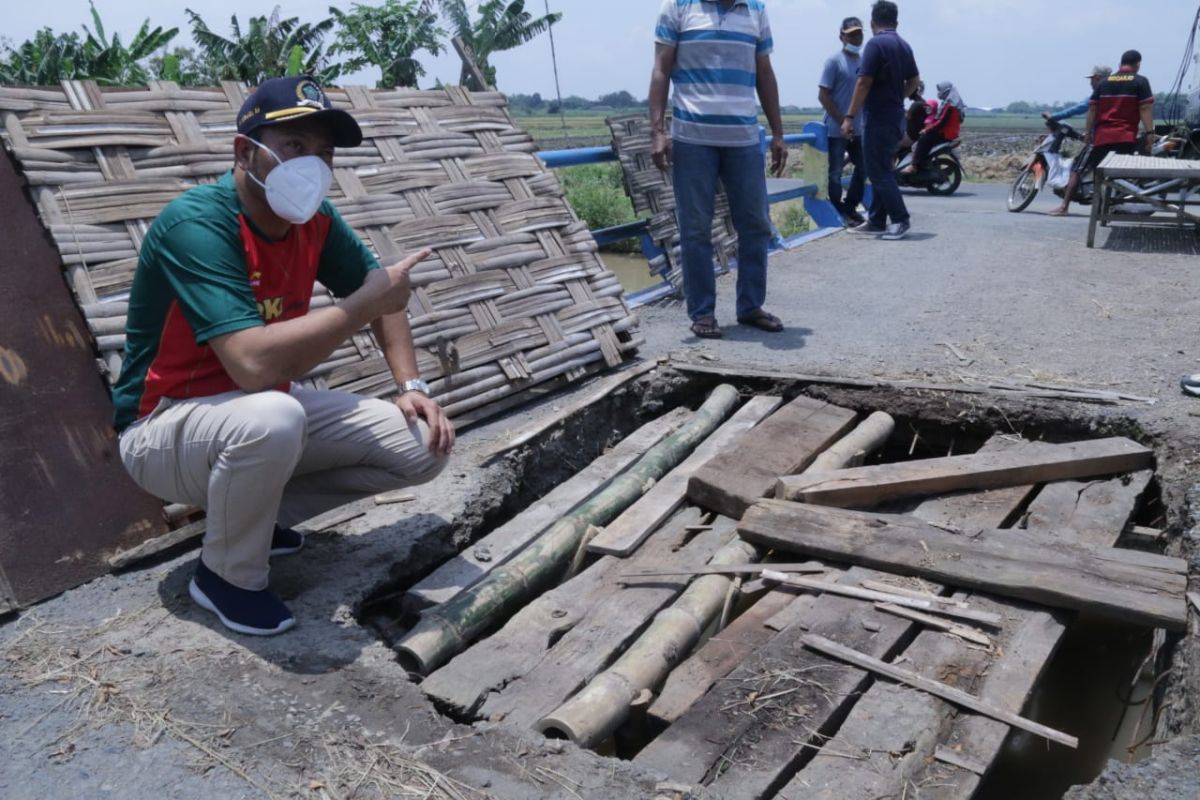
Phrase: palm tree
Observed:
(388, 36)
(502, 25)
(270, 47)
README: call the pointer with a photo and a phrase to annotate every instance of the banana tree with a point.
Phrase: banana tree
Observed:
(388, 36)
(113, 63)
(502, 25)
(270, 46)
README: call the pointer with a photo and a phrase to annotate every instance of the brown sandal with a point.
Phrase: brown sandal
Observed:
(706, 328)
(763, 321)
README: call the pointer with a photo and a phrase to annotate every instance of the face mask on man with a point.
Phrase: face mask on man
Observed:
(853, 49)
(295, 188)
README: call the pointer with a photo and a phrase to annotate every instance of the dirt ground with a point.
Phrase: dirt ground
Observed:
(123, 689)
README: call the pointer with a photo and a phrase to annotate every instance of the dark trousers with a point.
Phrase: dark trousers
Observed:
(924, 145)
(879, 152)
(841, 151)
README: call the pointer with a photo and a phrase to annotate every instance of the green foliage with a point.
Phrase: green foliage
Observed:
(502, 25)
(597, 194)
(387, 36)
(48, 58)
(184, 66)
(266, 49)
(790, 218)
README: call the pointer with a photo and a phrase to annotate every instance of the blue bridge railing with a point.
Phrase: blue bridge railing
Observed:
(816, 205)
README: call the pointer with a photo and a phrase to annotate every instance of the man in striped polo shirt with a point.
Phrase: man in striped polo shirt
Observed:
(717, 55)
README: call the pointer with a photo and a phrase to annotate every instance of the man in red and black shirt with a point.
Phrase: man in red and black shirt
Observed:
(1118, 104)
(219, 328)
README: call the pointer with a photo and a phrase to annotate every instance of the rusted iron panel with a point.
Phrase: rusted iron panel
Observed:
(66, 504)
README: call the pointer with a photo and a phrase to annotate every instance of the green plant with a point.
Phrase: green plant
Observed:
(502, 25)
(270, 47)
(790, 218)
(387, 36)
(598, 196)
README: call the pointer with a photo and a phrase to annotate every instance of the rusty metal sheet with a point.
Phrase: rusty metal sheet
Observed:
(66, 504)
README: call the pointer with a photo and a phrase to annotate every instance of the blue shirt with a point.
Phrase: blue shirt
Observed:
(889, 60)
(839, 76)
(715, 76)
(1079, 109)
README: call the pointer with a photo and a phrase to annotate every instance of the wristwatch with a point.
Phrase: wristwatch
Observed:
(415, 385)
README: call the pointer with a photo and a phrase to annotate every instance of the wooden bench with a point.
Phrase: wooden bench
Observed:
(1165, 184)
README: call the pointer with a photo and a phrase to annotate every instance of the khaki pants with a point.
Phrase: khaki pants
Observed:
(251, 460)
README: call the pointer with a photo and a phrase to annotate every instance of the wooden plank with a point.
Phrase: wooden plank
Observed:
(956, 610)
(717, 657)
(863, 487)
(942, 690)
(1009, 563)
(725, 569)
(494, 549)
(783, 444)
(747, 749)
(1088, 514)
(529, 637)
(622, 536)
(930, 621)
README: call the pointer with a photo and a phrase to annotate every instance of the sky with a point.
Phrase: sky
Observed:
(995, 51)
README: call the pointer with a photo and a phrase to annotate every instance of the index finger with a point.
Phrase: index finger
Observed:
(416, 258)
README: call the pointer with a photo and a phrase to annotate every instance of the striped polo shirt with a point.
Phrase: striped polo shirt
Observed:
(716, 53)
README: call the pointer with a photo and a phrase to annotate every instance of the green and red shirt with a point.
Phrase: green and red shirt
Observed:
(204, 271)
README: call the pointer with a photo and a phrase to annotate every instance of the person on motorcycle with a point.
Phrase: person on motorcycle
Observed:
(919, 110)
(835, 90)
(1118, 104)
(944, 127)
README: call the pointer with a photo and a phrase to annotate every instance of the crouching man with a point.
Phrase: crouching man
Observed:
(219, 326)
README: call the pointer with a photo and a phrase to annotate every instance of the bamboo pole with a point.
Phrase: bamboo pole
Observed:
(603, 706)
(849, 451)
(595, 713)
(445, 630)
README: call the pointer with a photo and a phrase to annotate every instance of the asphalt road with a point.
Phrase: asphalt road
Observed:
(1020, 295)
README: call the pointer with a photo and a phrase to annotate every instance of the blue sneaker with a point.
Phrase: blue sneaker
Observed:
(258, 613)
(286, 541)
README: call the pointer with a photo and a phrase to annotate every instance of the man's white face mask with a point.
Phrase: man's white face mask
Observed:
(853, 49)
(295, 188)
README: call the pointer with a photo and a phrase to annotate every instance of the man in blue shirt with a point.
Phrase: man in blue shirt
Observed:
(1099, 73)
(888, 74)
(717, 53)
(836, 90)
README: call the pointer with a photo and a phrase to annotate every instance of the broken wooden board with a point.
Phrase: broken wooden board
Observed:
(1137, 587)
(748, 747)
(936, 688)
(1089, 514)
(498, 546)
(544, 634)
(864, 487)
(893, 730)
(784, 443)
(622, 536)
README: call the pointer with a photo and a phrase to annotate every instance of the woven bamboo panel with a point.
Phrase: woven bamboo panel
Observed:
(514, 296)
(653, 197)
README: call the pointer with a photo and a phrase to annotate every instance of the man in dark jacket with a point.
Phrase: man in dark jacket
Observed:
(887, 75)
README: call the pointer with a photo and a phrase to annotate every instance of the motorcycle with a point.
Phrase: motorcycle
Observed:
(942, 173)
(1048, 167)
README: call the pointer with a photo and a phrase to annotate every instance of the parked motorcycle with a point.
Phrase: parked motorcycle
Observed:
(1048, 167)
(942, 173)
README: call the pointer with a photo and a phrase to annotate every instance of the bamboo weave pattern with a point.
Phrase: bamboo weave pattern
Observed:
(515, 294)
(653, 197)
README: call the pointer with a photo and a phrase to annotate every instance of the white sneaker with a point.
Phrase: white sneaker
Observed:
(895, 232)
(1190, 384)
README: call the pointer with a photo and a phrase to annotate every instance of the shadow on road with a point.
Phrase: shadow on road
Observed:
(1175, 241)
